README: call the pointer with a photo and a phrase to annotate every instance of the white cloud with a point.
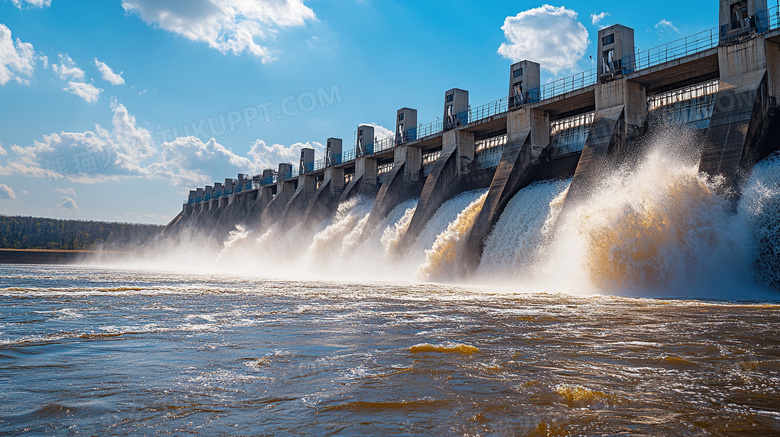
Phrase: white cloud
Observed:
(126, 152)
(67, 191)
(86, 91)
(549, 35)
(268, 157)
(33, 3)
(666, 25)
(190, 161)
(16, 59)
(3, 152)
(380, 132)
(68, 203)
(226, 25)
(108, 73)
(596, 18)
(87, 157)
(67, 69)
(6, 192)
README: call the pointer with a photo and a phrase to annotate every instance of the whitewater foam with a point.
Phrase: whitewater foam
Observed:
(442, 261)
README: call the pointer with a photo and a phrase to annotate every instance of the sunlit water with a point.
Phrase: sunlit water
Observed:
(333, 328)
(92, 351)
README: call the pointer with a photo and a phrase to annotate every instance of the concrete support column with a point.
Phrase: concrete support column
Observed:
(334, 178)
(632, 96)
(466, 147)
(410, 157)
(324, 200)
(773, 70)
(405, 125)
(366, 169)
(528, 134)
(333, 152)
(307, 161)
(524, 122)
(621, 111)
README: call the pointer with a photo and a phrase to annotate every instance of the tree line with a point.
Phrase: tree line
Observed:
(53, 234)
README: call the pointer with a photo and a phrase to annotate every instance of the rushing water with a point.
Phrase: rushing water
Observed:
(329, 330)
(92, 351)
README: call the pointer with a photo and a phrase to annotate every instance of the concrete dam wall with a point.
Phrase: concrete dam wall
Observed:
(722, 86)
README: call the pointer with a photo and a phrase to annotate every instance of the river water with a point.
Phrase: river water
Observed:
(98, 351)
(645, 309)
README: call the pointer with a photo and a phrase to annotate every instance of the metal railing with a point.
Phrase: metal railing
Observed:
(488, 110)
(432, 128)
(641, 60)
(384, 144)
(670, 51)
(347, 156)
(564, 85)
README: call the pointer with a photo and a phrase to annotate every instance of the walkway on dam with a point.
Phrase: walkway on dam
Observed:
(581, 122)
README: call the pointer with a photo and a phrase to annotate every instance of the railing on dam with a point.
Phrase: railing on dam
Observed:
(690, 105)
(488, 110)
(383, 144)
(432, 128)
(565, 85)
(348, 156)
(671, 51)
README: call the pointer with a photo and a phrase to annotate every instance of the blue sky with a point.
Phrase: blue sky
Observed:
(114, 109)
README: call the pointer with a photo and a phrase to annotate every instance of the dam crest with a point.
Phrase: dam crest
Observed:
(719, 88)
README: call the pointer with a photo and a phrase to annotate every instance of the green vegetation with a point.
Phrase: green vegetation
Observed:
(43, 233)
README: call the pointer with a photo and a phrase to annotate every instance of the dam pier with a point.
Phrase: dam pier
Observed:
(723, 83)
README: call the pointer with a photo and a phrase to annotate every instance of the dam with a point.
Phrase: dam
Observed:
(722, 84)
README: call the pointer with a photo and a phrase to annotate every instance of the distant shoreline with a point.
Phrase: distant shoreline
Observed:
(43, 256)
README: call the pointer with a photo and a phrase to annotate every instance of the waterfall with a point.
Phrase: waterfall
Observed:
(331, 240)
(400, 219)
(445, 215)
(441, 261)
(759, 207)
(660, 228)
(526, 224)
(656, 227)
(235, 237)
